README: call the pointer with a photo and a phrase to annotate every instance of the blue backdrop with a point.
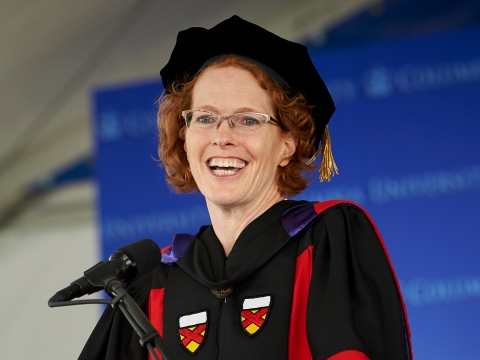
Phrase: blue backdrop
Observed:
(406, 139)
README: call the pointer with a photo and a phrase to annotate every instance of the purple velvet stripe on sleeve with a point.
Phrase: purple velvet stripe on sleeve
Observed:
(180, 244)
(297, 218)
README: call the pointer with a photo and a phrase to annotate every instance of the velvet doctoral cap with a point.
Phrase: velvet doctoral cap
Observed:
(236, 36)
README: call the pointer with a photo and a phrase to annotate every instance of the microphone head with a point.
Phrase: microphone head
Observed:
(140, 257)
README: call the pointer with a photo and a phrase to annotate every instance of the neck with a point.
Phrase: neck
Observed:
(229, 221)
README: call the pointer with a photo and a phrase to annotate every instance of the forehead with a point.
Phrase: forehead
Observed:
(230, 89)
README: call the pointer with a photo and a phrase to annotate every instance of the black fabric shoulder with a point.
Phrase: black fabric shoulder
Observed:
(159, 276)
(113, 338)
(354, 302)
(318, 229)
(140, 288)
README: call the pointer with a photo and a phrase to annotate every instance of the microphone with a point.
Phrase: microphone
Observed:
(135, 259)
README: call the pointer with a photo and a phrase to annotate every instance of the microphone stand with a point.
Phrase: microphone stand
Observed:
(122, 300)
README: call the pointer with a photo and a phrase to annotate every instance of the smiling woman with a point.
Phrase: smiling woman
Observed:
(241, 121)
(292, 110)
(228, 90)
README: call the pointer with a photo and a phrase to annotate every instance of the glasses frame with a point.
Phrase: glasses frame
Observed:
(220, 118)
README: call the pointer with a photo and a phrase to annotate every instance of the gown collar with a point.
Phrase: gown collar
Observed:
(205, 260)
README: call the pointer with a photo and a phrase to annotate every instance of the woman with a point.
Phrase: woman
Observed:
(271, 278)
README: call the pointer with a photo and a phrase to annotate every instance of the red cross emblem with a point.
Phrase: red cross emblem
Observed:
(254, 314)
(192, 330)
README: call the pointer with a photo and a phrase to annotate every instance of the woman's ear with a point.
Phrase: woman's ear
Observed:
(289, 148)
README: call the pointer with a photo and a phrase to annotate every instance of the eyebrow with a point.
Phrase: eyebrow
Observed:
(214, 109)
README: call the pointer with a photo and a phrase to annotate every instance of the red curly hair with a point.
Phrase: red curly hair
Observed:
(293, 115)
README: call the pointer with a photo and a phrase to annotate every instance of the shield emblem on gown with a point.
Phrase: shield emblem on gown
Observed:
(254, 314)
(192, 329)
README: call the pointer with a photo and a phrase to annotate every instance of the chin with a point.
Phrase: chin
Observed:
(223, 198)
(223, 201)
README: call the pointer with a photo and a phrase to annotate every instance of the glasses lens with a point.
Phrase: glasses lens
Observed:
(200, 120)
(248, 123)
(243, 123)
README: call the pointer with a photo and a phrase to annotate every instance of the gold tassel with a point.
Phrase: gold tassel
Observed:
(328, 168)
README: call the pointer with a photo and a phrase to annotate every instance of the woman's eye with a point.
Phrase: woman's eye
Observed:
(205, 119)
(249, 121)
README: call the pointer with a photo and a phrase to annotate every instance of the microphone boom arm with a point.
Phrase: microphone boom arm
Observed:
(122, 300)
(137, 319)
(124, 265)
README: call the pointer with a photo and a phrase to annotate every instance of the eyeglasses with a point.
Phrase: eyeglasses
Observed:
(244, 123)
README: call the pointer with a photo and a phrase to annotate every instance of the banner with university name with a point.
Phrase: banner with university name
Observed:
(406, 139)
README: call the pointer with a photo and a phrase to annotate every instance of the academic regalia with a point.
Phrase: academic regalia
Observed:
(303, 281)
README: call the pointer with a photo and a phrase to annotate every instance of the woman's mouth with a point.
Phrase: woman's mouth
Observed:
(225, 167)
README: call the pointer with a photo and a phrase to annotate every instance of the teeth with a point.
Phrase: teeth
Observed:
(224, 172)
(234, 163)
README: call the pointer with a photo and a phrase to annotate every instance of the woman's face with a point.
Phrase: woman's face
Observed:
(251, 160)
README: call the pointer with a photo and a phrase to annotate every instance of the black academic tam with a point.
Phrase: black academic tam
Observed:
(287, 62)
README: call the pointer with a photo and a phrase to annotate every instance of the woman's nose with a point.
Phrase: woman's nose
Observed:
(223, 134)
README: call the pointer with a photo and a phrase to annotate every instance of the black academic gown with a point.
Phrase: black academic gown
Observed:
(303, 281)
